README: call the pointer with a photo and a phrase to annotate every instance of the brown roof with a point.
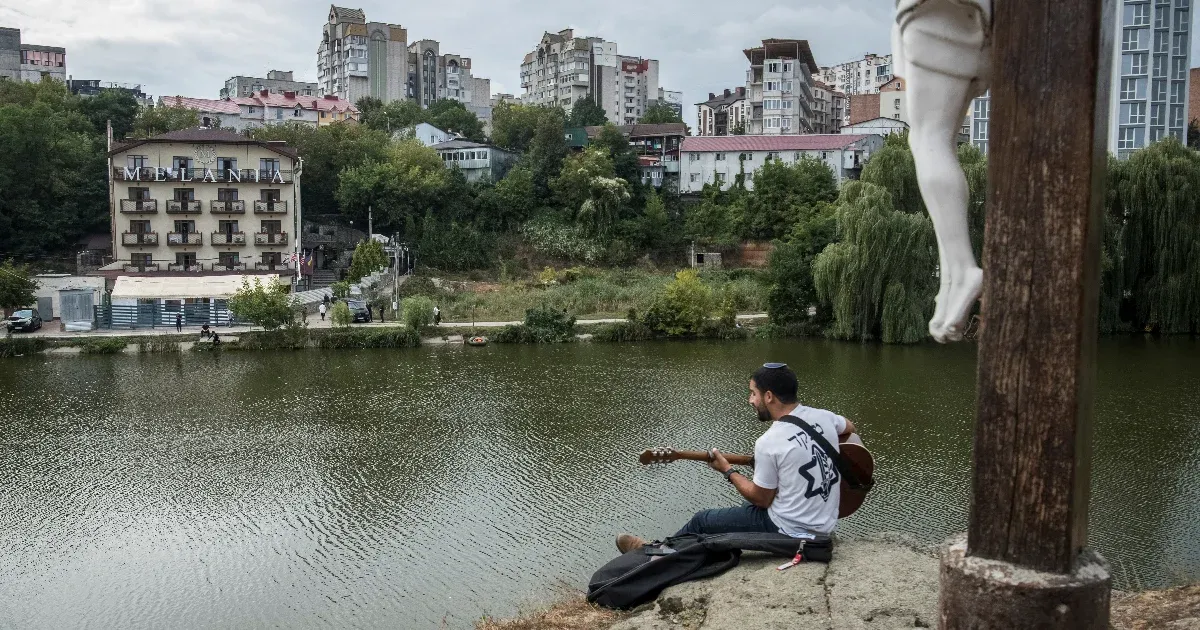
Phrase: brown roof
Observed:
(804, 142)
(204, 136)
(777, 48)
(643, 131)
(349, 14)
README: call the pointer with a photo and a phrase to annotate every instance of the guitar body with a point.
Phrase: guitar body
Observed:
(853, 453)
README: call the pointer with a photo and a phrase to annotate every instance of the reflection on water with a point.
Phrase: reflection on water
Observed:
(404, 488)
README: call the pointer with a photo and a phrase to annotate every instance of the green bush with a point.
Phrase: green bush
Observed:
(20, 346)
(369, 338)
(340, 315)
(158, 345)
(418, 312)
(716, 329)
(109, 345)
(543, 324)
(289, 338)
(369, 257)
(682, 308)
(268, 305)
(419, 285)
(340, 289)
(784, 331)
(623, 332)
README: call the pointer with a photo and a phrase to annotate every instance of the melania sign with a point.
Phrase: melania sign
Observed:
(159, 174)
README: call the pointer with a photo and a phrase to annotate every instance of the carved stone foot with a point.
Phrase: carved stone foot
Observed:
(960, 288)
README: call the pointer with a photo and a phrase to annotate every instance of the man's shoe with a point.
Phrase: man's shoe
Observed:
(629, 542)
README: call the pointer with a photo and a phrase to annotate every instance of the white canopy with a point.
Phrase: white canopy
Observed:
(183, 287)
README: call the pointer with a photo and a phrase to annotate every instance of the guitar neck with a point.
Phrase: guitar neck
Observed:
(702, 456)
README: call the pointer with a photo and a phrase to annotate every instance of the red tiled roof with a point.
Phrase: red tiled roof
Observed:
(806, 142)
(202, 104)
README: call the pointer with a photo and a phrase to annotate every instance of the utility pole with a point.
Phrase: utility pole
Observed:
(1024, 563)
(370, 222)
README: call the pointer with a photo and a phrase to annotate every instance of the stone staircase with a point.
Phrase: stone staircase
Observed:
(322, 278)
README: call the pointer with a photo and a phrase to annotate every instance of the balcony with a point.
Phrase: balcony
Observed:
(270, 266)
(239, 266)
(270, 238)
(184, 238)
(136, 268)
(139, 238)
(270, 207)
(139, 206)
(228, 238)
(227, 207)
(184, 207)
(192, 268)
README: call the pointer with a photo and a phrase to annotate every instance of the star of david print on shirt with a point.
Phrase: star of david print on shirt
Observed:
(828, 474)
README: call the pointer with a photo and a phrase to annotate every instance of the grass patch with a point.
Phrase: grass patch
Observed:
(107, 345)
(369, 338)
(158, 345)
(586, 293)
(622, 332)
(573, 614)
(283, 339)
(20, 346)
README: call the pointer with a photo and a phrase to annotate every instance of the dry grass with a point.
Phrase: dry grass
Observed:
(571, 614)
(1156, 609)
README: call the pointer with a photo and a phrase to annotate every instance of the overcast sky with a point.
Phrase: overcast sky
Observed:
(190, 48)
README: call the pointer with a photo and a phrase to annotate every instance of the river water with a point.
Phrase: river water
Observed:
(424, 488)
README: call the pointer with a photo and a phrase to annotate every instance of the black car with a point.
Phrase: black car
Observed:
(26, 320)
(359, 310)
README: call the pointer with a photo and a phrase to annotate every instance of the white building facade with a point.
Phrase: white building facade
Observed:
(356, 58)
(779, 87)
(723, 114)
(858, 76)
(719, 160)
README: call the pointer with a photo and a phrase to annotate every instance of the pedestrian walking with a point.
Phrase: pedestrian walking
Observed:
(178, 322)
(382, 314)
(321, 308)
(437, 316)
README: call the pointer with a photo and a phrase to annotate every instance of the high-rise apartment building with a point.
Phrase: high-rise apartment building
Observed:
(860, 76)
(434, 76)
(723, 114)
(276, 82)
(29, 62)
(565, 68)
(357, 58)
(1151, 74)
(779, 87)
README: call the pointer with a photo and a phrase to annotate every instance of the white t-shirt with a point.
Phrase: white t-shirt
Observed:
(787, 459)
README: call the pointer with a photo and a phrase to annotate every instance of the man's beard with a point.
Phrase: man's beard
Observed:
(764, 414)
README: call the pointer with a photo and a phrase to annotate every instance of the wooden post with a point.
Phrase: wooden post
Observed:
(1023, 564)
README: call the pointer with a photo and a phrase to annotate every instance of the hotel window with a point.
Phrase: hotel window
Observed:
(139, 194)
(228, 227)
(141, 260)
(181, 163)
(185, 227)
(271, 227)
(269, 194)
(227, 194)
(268, 167)
(187, 259)
(185, 194)
(226, 164)
(136, 161)
(139, 227)
(228, 259)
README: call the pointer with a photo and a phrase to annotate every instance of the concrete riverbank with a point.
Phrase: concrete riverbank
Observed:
(884, 582)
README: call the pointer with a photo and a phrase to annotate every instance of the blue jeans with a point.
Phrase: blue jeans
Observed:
(747, 518)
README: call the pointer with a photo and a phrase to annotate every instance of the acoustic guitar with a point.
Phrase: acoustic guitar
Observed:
(856, 459)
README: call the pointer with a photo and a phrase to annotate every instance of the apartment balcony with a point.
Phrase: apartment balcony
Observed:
(194, 268)
(271, 238)
(671, 166)
(239, 266)
(227, 207)
(184, 207)
(135, 239)
(184, 238)
(227, 238)
(139, 206)
(270, 207)
(132, 268)
(269, 266)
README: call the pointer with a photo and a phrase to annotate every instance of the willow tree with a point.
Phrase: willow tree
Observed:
(880, 276)
(1158, 194)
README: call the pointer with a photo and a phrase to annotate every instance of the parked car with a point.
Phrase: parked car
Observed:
(359, 310)
(26, 320)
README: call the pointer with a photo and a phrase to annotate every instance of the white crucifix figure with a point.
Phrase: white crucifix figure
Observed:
(942, 48)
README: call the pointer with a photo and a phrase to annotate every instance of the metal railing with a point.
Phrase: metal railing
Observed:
(184, 207)
(184, 238)
(269, 266)
(139, 206)
(135, 268)
(139, 238)
(270, 238)
(240, 266)
(228, 238)
(159, 314)
(193, 268)
(270, 207)
(236, 206)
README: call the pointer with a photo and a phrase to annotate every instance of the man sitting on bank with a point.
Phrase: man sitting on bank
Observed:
(795, 488)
